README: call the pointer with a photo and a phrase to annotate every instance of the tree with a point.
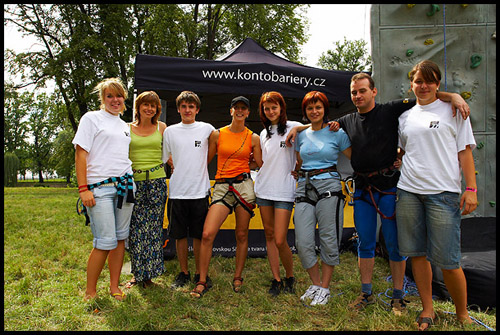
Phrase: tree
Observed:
(63, 157)
(16, 108)
(42, 132)
(84, 43)
(10, 168)
(348, 56)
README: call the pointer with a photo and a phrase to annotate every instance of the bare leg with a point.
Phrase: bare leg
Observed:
(281, 223)
(398, 273)
(422, 273)
(95, 264)
(313, 272)
(215, 218)
(267, 215)
(366, 269)
(457, 287)
(241, 231)
(115, 263)
(181, 247)
(196, 251)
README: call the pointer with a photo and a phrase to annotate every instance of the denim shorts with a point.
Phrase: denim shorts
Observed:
(429, 225)
(276, 204)
(108, 223)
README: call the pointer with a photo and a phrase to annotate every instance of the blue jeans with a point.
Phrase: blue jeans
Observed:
(365, 220)
(429, 225)
(108, 223)
(276, 204)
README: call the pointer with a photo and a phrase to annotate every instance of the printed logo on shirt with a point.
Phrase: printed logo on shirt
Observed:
(197, 144)
(127, 133)
(434, 124)
(282, 144)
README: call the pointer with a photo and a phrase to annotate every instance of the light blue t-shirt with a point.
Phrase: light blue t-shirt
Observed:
(320, 149)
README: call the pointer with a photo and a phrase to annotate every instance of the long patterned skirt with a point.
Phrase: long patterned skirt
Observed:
(146, 227)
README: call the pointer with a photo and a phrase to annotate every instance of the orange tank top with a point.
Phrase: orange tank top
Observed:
(233, 152)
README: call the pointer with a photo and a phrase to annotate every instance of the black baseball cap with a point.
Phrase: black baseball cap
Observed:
(242, 99)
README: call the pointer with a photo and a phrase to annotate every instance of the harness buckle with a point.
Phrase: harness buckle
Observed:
(327, 194)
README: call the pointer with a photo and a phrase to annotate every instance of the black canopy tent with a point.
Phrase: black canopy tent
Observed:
(248, 70)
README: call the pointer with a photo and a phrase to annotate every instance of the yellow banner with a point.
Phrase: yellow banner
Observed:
(256, 221)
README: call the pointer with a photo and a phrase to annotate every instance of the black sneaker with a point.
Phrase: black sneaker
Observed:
(182, 279)
(289, 285)
(196, 279)
(276, 287)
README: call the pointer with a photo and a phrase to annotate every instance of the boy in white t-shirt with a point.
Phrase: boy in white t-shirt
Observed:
(189, 185)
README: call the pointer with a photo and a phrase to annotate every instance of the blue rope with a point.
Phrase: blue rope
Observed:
(444, 33)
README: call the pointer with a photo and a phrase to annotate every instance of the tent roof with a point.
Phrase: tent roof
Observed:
(250, 51)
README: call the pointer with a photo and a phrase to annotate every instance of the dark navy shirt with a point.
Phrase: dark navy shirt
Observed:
(374, 140)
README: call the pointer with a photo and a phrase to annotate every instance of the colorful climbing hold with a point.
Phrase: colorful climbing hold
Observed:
(410, 5)
(409, 52)
(464, 5)
(434, 9)
(492, 203)
(466, 95)
(429, 41)
(476, 172)
(475, 60)
(480, 145)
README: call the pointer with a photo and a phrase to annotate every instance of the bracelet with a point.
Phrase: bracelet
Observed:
(471, 189)
(83, 190)
(82, 186)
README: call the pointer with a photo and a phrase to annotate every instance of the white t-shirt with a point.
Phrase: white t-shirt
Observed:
(106, 138)
(274, 180)
(188, 144)
(432, 138)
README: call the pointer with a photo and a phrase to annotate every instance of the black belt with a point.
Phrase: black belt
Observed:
(302, 173)
(383, 172)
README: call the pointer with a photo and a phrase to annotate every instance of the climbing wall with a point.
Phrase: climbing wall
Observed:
(461, 39)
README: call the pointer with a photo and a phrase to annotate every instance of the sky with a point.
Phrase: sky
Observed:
(327, 24)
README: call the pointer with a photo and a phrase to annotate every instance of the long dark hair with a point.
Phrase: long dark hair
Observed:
(274, 97)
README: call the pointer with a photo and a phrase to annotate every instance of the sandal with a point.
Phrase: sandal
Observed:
(425, 319)
(118, 294)
(237, 287)
(198, 294)
(131, 282)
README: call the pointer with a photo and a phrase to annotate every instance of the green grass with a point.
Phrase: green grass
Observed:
(46, 246)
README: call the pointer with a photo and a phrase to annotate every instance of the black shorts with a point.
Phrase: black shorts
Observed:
(186, 217)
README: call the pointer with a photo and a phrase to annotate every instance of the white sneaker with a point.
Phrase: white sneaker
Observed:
(321, 297)
(310, 292)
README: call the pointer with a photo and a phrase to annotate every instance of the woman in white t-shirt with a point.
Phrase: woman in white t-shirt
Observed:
(275, 187)
(436, 147)
(104, 174)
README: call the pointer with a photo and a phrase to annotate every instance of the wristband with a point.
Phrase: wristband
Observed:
(82, 186)
(471, 189)
(83, 190)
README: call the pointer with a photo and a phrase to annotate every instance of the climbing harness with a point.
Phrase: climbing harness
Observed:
(239, 198)
(386, 172)
(125, 181)
(328, 194)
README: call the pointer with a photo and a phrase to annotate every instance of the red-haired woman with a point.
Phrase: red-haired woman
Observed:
(319, 196)
(275, 188)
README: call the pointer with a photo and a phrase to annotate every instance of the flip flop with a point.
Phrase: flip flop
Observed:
(425, 319)
(118, 294)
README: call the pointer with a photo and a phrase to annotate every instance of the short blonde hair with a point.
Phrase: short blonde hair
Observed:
(115, 86)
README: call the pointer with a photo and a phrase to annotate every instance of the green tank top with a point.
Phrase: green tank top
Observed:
(145, 153)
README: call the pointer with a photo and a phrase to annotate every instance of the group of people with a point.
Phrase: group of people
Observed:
(407, 158)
